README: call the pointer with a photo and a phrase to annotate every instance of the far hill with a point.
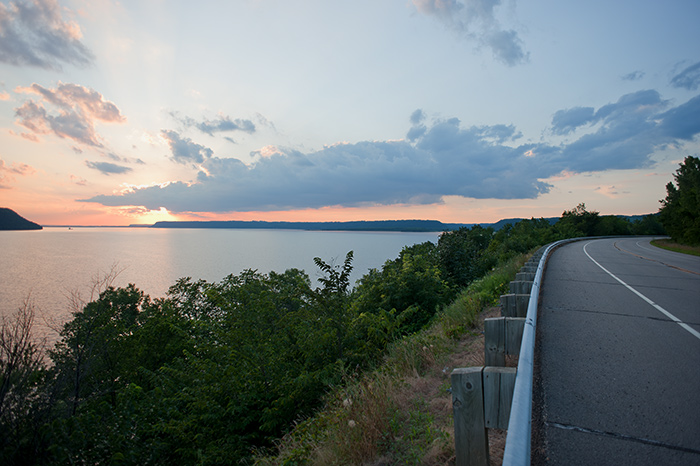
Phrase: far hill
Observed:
(11, 220)
(380, 225)
(375, 225)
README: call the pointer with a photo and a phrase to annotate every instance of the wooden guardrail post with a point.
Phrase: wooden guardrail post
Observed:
(520, 287)
(495, 342)
(502, 336)
(514, 334)
(481, 399)
(498, 395)
(471, 440)
(514, 305)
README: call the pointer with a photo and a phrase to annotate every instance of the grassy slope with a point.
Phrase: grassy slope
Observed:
(676, 247)
(401, 413)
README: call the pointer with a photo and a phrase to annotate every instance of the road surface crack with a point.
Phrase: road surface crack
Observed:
(619, 436)
(616, 314)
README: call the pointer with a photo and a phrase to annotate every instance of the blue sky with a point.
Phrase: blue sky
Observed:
(460, 111)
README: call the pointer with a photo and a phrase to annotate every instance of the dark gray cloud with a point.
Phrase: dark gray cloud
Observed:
(476, 21)
(566, 121)
(220, 124)
(108, 168)
(634, 76)
(682, 122)
(34, 33)
(73, 112)
(417, 117)
(689, 78)
(446, 159)
(184, 150)
(635, 105)
(418, 129)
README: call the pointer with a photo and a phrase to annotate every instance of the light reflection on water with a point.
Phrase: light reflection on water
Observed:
(52, 263)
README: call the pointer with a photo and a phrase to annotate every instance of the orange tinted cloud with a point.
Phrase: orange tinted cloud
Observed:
(72, 112)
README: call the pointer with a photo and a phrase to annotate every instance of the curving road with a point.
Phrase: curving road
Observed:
(618, 356)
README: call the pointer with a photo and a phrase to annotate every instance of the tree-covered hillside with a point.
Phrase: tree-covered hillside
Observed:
(11, 220)
(680, 211)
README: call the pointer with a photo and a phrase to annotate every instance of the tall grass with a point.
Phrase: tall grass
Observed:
(463, 313)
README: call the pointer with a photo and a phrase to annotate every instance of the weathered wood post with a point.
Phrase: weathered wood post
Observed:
(514, 334)
(514, 305)
(498, 396)
(495, 342)
(471, 440)
(520, 287)
(502, 336)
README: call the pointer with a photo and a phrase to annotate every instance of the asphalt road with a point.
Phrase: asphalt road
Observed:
(618, 357)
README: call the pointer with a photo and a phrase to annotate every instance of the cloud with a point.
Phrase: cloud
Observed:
(73, 112)
(506, 47)
(78, 180)
(566, 121)
(447, 159)
(417, 117)
(689, 78)
(418, 128)
(184, 150)
(633, 76)
(108, 168)
(27, 136)
(683, 121)
(4, 96)
(476, 21)
(9, 172)
(222, 123)
(630, 106)
(33, 33)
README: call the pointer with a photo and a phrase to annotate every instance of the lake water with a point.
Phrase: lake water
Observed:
(52, 263)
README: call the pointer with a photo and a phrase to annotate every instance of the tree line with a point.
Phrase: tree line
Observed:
(213, 372)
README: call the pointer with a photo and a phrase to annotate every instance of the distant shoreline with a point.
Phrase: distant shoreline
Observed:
(417, 226)
(404, 226)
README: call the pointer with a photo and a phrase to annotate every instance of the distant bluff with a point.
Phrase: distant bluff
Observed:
(11, 220)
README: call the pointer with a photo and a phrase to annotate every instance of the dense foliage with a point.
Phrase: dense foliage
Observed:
(214, 371)
(680, 211)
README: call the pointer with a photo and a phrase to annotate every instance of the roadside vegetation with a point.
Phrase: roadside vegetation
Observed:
(265, 368)
(680, 211)
(676, 247)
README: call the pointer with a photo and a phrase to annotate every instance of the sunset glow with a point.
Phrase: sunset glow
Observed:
(140, 112)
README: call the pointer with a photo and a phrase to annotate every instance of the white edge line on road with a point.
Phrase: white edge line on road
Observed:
(687, 327)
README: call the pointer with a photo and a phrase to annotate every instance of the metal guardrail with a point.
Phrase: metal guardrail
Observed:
(518, 440)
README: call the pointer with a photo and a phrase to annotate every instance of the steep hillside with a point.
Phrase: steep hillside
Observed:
(11, 220)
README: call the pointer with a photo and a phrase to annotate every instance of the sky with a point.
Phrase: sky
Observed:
(463, 111)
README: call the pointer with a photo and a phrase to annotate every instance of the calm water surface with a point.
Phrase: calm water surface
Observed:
(51, 263)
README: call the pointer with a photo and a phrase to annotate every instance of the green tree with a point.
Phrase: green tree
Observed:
(464, 256)
(24, 403)
(680, 211)
(402, 297)
(521, 237)
(648, 225)
(92, 355)
(578, 222)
